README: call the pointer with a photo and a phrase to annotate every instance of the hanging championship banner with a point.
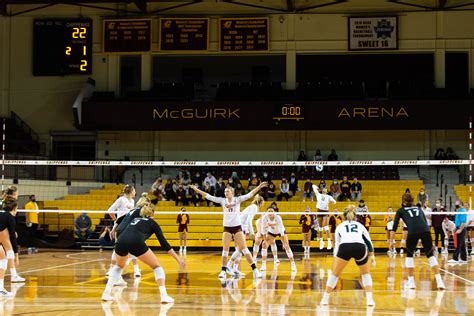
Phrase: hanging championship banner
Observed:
(373, 33)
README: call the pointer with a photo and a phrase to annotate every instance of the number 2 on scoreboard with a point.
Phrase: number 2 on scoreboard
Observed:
(83, 66)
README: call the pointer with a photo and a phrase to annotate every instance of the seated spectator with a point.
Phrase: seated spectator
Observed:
(269, 191)
(239, 190)
(211, 180)
(422, 196)
(363, 218)
(209, 190)
(158, 191)
(284, 190)
(235, 177)
(345, 189)
(318, 156)
(335, 189)
(232, 183)
(181, 196)
(265, 177)
(220, 187)
(333, 156)
(302, 156)
(293, 184)
(308, 190)
(356, 189)
(322, 184)
(195, 198)
(450, 154)
(186, 182)
(197, 178)
(104, 237)
(169, 192)
(254, 181)
(83, 226)
(176, 184)
(440, 154)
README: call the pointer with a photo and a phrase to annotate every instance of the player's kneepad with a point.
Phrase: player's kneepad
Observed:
(332, 281)
(159, 273)
(366, 280)
(432, 261)
(246, 251)
(409, 262)
(10, 254)
(264, 252)
(225, 253)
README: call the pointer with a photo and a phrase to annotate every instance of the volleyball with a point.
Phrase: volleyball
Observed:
(319, 168)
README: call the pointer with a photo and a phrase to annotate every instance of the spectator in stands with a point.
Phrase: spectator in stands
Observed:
(437, 223)
(220, 187)
(197, 178)
(239, 190)
(83, 226)
(211, 180)
(231, 183)
(181, 195)
(186, 182)
(32, 221)
(308, 190)
(302, 156)
(461, 222)
(422, 196)
(176, 185)
(270, 191)
(265, 177)
(363, 216)
(335, 189)
(345, 189)
(284, 190)
(318, 156)
(158, 191)
(333, 156)
(169, 192)
(235, 177)
(253, 181)
(322, 184)
(356, 190)
(209, 190)
(104, 237)
(293, 184)
(450, 154)
(195, 198)
(440, 154)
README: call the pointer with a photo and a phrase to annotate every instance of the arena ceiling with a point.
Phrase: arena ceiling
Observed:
(242, 7)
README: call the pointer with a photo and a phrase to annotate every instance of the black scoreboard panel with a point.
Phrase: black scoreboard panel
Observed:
(243, 34)
(127, 36)
(62, 47)
(184, 34)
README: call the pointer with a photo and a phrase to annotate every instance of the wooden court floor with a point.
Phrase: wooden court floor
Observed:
(70, 283)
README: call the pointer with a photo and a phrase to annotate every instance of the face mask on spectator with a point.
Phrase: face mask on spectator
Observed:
(265, 174)
(422, 192)
(438, 205)
(335, 182)
(254, 175)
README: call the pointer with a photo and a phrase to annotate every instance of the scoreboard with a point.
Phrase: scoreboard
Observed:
(243, 34)
(62, 47)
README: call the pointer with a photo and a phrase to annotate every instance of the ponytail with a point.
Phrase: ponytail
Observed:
(349, 213)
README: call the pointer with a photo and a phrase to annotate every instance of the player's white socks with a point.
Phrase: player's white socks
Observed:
(115, 274)
(13, 272)
(274, 251)
(255, 251)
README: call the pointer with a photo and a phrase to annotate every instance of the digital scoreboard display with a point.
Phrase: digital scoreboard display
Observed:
(127, 36)
(243, 34)
(184, 34)
(62, 47)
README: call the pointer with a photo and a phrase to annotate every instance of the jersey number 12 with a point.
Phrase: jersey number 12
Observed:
(352, 229)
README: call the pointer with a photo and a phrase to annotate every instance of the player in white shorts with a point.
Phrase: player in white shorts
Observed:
(322, 205)
(124, 204)
(233, 225)
(470, 227)
(449, 228)
(246, 217)
(275, 228)
(352, 241)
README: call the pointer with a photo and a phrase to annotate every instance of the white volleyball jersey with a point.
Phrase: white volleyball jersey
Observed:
(427, 212)
(260, 228)
(231, 209)
(470, 219)
(350, 232)
(323, 200)
(449, 226)
(274, 226)
(246, 217)
(121, 206)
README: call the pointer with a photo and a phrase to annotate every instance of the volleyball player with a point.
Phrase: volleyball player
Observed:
(448, 228)
(307, 222)
(259, 238)
(233, 225)
(388, 220)
(246, 218)
(275, 228)
(124, 204)
(182, 220)
(132, 241)
(322, 205)
(470, 227)
(418, 228)
(13, 257)
(352, 241)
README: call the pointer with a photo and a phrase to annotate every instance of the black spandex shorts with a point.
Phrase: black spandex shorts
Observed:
(355, 250)
(323, 211)
(137, 249)
(426, 241)
(470, 228)
(275, 235)
(232, 230)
